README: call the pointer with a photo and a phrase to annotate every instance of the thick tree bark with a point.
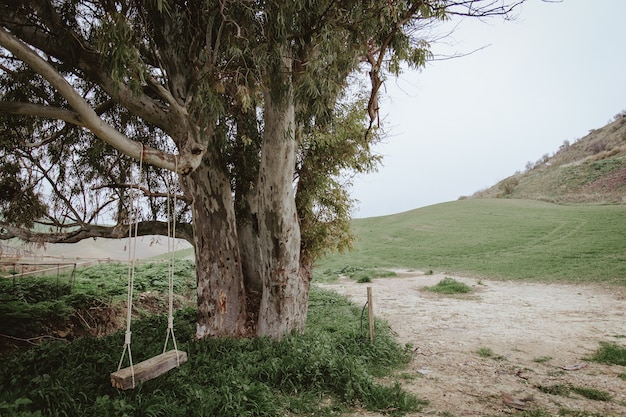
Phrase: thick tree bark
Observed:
(221, 294)
(285, 290)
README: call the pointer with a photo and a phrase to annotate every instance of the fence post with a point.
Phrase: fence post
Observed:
(370, 311)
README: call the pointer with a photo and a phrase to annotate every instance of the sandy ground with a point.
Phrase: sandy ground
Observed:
(533, 331)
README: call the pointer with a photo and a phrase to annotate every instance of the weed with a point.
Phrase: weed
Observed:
(485, 352)
(610, 353)
(564, 390)
(622, 376)
(449, 286)
(542, 359)
(592, 393)
(556, 389)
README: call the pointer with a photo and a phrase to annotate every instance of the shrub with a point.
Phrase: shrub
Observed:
(508, 185)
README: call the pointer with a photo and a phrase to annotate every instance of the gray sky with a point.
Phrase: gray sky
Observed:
(461, 125)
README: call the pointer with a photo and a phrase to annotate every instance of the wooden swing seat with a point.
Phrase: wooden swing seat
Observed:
(148, 369)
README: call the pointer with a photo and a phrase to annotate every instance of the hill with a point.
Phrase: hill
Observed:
(591, 170)
(493, 238)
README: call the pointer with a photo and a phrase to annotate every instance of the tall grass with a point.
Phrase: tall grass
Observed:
(495, 238)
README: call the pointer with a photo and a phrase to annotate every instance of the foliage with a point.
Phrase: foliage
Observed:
(249, 102)
(449, 286)
(135, 77)
(329, 367)
(322, 198)
(495, 238)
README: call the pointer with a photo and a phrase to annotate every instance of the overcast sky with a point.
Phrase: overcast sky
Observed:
(458, 126)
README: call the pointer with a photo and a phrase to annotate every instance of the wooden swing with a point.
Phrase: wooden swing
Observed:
(128, 377)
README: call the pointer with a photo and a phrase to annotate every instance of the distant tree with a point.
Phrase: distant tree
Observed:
(246, 101)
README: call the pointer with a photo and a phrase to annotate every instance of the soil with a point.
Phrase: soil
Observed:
(533, 330)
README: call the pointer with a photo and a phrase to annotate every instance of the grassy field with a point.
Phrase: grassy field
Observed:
(494, 238)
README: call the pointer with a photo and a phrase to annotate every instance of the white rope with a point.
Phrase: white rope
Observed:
(171, 241)
(132, 250)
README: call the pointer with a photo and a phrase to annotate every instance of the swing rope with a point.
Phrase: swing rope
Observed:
(132, 250)
(171, 241)
(159, 364)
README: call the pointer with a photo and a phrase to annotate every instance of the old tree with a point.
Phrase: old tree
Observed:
(245, 100)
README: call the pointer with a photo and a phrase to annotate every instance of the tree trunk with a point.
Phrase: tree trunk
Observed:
(221, 294)
(285, 290)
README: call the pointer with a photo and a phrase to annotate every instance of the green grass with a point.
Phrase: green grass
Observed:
(449, 286)
(356, 273)
(496, 238)
(325, 371)
(592, 393)
(564, 390)
(485, 352)
(610, 353)
(37, 306)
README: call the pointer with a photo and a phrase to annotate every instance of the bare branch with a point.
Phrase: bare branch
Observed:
(146, 192)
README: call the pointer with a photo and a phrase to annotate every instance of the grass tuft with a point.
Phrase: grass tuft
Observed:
(449, 286)
(610, 353)
(592, 393)
(564, 390)
(485, 352)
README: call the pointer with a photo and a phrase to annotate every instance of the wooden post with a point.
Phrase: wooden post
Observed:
(370, 311)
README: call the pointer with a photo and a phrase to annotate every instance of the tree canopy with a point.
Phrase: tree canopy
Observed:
(249, 101)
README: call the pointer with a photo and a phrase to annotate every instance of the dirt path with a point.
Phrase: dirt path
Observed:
(532, 329)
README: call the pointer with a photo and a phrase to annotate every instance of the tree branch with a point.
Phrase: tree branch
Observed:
(146, 192)
(120, 231)
(29, 109)
(185, 163)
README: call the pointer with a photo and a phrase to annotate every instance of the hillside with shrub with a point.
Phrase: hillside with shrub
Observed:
(590, 170)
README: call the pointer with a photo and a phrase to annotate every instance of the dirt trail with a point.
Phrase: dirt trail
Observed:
(532, 329)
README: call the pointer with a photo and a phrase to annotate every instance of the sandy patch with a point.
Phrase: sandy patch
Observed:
(522, 323)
